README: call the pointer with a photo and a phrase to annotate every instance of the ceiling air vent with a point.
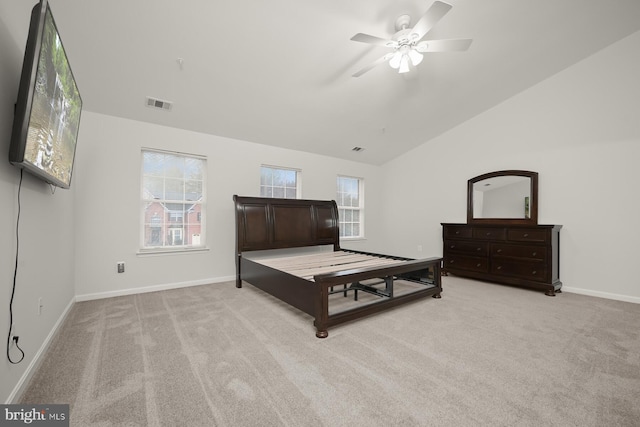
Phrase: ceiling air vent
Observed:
(357, 149)
(159, 104)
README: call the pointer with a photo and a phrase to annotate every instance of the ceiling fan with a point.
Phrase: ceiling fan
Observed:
(407, 43)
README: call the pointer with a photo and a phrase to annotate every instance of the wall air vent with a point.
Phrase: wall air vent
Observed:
(357, 149)
(159, 104)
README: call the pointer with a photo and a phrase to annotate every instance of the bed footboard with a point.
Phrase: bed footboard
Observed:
(427, 272)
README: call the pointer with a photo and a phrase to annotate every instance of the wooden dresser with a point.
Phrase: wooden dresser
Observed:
(520, 255)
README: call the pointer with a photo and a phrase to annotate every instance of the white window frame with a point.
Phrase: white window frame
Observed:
(164, 217)
(298, 173)
(359, 208)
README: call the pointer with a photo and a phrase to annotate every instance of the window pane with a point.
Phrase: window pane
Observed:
(266, 191)
(290, 193)
(279, 177)
(193, 169)
(348, 201)
(348, 196)
(153, 163)
(278, 192)
(154, 187)
(290, 178)
(173, 189)
(266, 176)
(277, 182)
(193, 190)
(174, 166)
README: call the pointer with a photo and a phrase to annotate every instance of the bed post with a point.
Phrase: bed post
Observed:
(238, 253)
(238, 279)
(322, 310)
(336, 227)
(437, 278)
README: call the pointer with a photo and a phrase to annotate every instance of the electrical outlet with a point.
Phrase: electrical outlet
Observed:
(121, 267)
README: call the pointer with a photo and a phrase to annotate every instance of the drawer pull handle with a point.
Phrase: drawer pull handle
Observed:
(533, 272)
(499, 267)
(479, 249)
(451, 262)
(489, 233)
(457, 232)
(452, 246)
(499, 250)
(526, 234)
(478, 265)
(534, 254)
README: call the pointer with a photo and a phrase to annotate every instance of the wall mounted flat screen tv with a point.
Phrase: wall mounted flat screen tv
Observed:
(47, 117)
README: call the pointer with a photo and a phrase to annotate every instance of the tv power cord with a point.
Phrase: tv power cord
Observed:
(13, 291)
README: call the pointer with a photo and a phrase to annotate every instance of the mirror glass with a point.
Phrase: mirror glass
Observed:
(503, 196)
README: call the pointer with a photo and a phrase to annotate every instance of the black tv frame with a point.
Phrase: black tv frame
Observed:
(25, 101)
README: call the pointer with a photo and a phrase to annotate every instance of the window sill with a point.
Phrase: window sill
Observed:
(352, 239)
(173, 251)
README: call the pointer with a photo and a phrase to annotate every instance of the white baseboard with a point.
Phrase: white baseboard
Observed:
(600, 294)
(154, 288)
(35, 362)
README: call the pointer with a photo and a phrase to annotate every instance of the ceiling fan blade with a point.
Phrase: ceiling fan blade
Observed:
(373, 64)
(366, 38)
(435, 13)
(451, 45)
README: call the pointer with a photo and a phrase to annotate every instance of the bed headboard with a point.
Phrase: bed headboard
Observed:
(266, 223)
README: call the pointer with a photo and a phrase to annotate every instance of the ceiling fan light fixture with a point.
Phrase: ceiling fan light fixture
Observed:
(404, 64)
(416, 57)
(394, 61)
(407, 44)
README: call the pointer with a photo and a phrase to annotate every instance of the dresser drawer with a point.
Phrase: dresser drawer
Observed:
(489, 233)
(467, 247)
(457, 232)
(518, 251)
(466, 263)
(536, 271)
(527, 235)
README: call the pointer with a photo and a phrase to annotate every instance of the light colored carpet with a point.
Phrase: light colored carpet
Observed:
(483, 355)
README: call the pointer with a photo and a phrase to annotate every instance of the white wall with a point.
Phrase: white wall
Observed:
(46, 258)
(107, 181)
(580, 130)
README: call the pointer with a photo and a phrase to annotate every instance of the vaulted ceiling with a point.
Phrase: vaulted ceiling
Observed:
(279, 72)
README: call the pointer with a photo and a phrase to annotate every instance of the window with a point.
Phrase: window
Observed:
(279, 182)
(172, 200)
(350, 206)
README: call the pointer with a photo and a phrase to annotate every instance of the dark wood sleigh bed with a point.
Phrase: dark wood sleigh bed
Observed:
(308, 281)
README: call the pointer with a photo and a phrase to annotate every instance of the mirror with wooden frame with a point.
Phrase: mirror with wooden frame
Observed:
(509, 196)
